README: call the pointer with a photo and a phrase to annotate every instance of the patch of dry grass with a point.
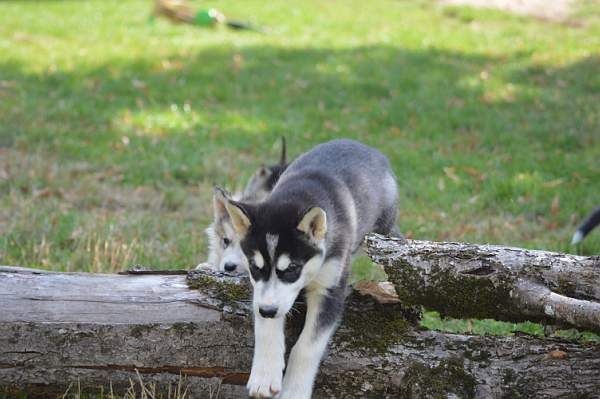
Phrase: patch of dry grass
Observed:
(141, 389)
(74, 217)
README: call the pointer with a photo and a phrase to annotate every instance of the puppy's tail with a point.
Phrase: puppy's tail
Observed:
(586, 226)
(283, 159)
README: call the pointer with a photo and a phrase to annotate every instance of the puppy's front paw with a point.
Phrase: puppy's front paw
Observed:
(264, 382)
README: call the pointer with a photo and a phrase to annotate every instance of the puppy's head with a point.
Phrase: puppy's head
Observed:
(284, 250)
(264, 179)
(225, 251)
(260, 184)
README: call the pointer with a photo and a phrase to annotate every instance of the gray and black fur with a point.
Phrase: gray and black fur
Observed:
(586, 227)
(302, 237)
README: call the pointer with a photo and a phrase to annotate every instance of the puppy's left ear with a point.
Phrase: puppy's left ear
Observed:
(239, 217)
(314, 224)
(220, 198)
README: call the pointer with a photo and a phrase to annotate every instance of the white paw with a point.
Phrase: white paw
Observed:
(264, 383)
(296, 392)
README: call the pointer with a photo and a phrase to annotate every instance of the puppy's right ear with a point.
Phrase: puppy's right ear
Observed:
(239, 217)
(220, 198)
(314, 224)
(283, 159)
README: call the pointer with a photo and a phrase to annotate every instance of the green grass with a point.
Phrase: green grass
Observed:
(432, 320)
(114, 128)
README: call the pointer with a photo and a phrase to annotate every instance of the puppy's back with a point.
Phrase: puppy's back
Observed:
(352, 182)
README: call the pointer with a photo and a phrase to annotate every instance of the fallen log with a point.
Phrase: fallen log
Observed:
(108, 332)
(486, 281)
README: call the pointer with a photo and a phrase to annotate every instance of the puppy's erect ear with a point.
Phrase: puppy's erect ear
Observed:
(283, 159)
(314, 223)
(263, 172)
(220, 198)
(239, 217)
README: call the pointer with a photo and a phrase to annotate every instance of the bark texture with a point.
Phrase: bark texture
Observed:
(486, 281)
(99, 331)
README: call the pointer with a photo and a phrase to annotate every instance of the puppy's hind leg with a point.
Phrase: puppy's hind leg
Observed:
(323, 313)
(395, 233)
(386, 224)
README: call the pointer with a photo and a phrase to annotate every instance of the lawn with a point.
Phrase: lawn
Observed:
(114, 127)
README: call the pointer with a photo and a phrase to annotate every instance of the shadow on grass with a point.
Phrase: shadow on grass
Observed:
(207, 116)
(236, 98)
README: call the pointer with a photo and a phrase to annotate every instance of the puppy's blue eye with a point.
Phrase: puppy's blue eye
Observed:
(291, 273)
(292, 266)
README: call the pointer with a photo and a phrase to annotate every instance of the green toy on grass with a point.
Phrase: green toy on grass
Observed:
(181, 12)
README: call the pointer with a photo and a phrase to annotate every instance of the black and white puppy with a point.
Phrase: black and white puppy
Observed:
(224, 252)
(303, 236)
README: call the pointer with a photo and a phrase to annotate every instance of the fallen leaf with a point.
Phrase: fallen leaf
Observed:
(441, 185)
(237, 62)
(47, 193)
(139, 84)
(329, 125)
(455, 102)
(7, 84)
(169, 65)
(475, 173)
(487, 98)
(382, 292)
(395, 130)
(557, 354)
(553, 183)
(450, 171)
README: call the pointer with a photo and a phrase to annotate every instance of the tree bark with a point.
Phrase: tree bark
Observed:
(487, 281)
(101, 331)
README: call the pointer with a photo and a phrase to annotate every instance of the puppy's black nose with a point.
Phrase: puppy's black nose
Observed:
(229, 267)
(268, 311)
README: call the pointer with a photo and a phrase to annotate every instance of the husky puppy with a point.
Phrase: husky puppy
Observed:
(302, 237)
(586, 227)
(263, 180)
(224, 253)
